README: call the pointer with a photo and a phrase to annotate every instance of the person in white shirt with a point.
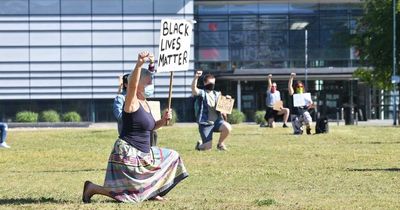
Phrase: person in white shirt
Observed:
(274, 96)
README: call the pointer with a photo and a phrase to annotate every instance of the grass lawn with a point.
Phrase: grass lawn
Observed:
(351, 167)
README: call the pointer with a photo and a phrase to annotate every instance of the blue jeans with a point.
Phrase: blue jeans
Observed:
(3, 130)
(206, 131)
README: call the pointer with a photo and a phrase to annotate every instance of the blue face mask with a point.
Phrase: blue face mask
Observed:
(149, 90)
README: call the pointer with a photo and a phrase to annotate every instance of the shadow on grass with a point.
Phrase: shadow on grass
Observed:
(21, 201)
(378, 142)
(374, 169)
(62, 171)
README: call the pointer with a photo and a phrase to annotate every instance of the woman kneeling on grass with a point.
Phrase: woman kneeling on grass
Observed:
(137, 172)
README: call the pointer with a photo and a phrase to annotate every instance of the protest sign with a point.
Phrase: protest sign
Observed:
(155, 109)
(174, 46)
(302, 99)
(278, 106)
(225, 105)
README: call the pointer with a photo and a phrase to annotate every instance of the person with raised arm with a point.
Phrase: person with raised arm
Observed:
(208, 118)
(136, 171)
(274, 97)
(300, 115)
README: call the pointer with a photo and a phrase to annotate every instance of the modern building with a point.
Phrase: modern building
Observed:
(66, 55)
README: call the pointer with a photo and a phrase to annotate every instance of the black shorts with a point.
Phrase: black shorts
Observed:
(270, 113)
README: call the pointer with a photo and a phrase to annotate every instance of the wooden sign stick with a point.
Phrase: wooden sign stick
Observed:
(170, 92)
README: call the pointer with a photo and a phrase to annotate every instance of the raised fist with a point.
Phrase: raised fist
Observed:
(198, 74)
(143, 57)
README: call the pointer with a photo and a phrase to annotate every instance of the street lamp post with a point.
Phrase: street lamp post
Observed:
(303, 26)
(306, 58)
(394, 65)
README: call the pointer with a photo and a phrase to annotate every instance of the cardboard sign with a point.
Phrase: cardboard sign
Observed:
(278, 106)
(225, 105)
(303, 99)
(155, 109)
(174, 46)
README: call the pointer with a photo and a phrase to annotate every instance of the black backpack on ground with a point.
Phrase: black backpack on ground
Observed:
(322, 125)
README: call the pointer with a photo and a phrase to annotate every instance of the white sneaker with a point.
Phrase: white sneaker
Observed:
(4, 145)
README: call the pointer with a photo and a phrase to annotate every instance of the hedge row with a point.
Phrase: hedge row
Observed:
(47, 116)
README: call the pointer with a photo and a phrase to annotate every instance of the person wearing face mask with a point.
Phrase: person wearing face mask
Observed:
(208, 118)
(274, 96)
(137, 172)
(300, 115)
(119, 100)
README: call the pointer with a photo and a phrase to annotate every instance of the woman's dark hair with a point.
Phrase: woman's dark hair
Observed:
(208, 76)
(298, 83)
(125, 81)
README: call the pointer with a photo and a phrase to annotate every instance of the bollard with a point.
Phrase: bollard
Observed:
(337, 118)
(356, 118)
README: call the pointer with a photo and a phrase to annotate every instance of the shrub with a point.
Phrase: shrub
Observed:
(49, 116)
(236, 117)
(174, 116)
(26, 116)
(71, 117)
(259, 117)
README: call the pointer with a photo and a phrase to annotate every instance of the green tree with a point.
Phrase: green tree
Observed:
(373, 42)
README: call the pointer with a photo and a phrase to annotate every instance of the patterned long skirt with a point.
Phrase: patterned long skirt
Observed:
(135, 176)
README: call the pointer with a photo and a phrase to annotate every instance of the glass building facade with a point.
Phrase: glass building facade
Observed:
(244, 41)
(262, 35)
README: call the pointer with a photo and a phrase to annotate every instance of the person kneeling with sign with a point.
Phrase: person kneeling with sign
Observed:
(300, 113)
(274, 105)
(208, 118)
(137, 172)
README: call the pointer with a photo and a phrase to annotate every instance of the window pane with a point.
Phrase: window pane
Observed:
(272, 53)
(213, 54)
(107, 6)
(45, 7)
(213, 26)
(213, 38)
(273, 22)
(303, 8)
(243, 23)
(138, 6)
(330, 8)
(75, 7)
(273, 8)
(168, 7)
(274, 38)
(11, 7)
(212, 9)
(334, 23)
(241, 8)
(248, 53)
(243, 38)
